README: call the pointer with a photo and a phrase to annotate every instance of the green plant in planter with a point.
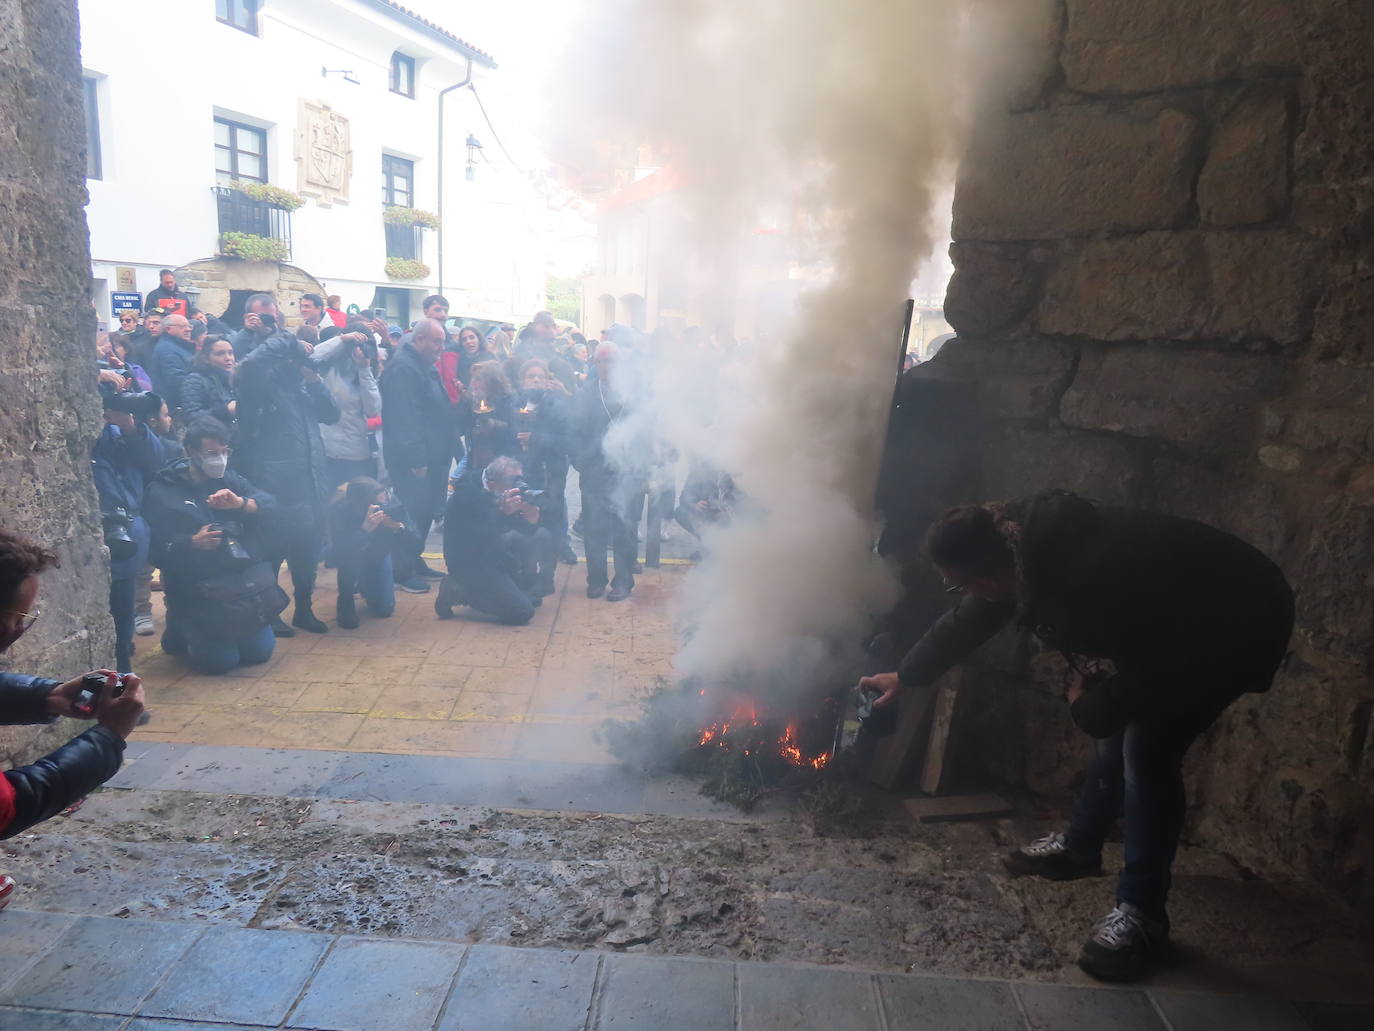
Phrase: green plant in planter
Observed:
(406, 268)
(276, 196)
(397, 215)
(251, 247)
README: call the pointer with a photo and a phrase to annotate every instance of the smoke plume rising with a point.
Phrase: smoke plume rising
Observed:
(849, 117)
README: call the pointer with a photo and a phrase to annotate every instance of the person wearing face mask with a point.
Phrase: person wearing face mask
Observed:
(209, 388)
(32, 794)
(207, 525)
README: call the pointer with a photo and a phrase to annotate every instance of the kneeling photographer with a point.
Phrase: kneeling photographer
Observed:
(221, 592)
(31, 794)
(125, 456)
(371, 535)
(500, 560)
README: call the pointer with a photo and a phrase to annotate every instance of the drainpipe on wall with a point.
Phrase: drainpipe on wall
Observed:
(467, 81)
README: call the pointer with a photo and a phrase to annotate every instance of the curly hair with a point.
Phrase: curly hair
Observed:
(968, 540)
(493, 378)
(20, 558)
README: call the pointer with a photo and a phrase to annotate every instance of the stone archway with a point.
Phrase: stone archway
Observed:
(219, 280)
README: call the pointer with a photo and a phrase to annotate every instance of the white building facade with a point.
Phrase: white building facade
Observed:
(338, 101)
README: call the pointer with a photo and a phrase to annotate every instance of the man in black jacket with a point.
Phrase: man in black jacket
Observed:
(167, 296)
(419, 431)
(1165, 622)
(281, 403)
(500, 560)
(31, 794)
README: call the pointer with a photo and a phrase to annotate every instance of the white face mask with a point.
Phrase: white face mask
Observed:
(214, 466)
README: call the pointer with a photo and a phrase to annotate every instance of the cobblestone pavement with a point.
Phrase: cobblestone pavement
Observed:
(66, 973)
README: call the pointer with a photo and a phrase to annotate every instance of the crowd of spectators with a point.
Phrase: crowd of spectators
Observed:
(347, 440)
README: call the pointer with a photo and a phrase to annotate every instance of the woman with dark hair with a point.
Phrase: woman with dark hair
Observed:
(577, 356)
(1164, 623)
(371, 535)
(209, 387)
(488, 420)
(457, 360)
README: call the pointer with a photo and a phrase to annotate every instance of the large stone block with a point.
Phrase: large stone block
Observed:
(1344, 321)
(1200, 401)
(1245, 178)
(1238, 286)
(1130, 46)
(1073, 170)
(1017, 462)
(1336, 599)
(1226, 497)
(994, 286)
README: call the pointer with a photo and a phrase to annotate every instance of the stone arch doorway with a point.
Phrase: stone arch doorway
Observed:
(225, 283)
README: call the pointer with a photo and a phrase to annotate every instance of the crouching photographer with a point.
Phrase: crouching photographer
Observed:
(221, 591)
(372, 535)
(31, 794)
(500, 560)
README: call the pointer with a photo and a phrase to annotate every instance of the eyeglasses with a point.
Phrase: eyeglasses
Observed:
(30, 618)
(953, 588)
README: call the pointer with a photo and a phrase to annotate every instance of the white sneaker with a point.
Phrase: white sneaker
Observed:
(1124, 945)
(143, 626)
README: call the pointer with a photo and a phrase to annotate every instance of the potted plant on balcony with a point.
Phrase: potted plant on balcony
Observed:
(406, 268)
(251, 247)
(272, 196)
(397, 215)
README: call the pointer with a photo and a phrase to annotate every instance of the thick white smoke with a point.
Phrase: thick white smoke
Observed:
(849, 116)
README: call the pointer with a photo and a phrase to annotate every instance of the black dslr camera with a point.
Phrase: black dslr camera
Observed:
(528, 495)
(229, 542)
(116, 524)
(141, 404)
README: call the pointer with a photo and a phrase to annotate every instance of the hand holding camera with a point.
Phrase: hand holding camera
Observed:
(77, 697)
(375, 517)
(511, 501)
(225, 499)
(208, 537)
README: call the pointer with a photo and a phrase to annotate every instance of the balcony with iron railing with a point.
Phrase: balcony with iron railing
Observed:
(240, 213)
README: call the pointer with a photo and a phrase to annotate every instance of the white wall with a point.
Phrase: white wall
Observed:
(153, 206)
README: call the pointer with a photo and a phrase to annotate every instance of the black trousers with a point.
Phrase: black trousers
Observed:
(423, 498)
(610, 522)
(504, 592)
(297, 540)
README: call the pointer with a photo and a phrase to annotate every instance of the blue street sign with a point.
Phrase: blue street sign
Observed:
(124, 302)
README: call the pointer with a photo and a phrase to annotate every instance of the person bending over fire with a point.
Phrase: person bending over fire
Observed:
(1164, 621)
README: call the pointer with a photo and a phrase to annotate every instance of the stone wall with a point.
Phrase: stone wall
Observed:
(217, 278)
(1164, 295)
(50, 414)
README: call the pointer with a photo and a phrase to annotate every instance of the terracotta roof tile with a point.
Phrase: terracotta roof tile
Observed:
(413, 15)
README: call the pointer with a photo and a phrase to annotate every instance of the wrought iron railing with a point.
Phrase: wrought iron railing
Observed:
(240, 213)
(403, 241)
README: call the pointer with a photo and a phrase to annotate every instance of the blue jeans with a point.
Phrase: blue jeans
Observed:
(373, 580)
(1140, 771)
(122, 610)
(212, 654)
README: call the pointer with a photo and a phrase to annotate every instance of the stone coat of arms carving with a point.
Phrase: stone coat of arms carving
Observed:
(324, 153)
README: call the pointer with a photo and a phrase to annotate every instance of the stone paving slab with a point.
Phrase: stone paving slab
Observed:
(98, 971)
(380, 777)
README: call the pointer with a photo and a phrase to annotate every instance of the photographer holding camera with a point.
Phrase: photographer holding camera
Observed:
(371, 535)
(31, 794)
(346, 360)
(281, 403)
(500, 560)
(125, 456)
(206, 525)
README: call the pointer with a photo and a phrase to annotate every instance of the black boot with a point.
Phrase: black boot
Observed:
(347, 613)
(280, 629)
(305, 618)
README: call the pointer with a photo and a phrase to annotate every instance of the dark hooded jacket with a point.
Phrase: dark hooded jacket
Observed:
(37, 792)
(279, 447)
(175, 507)
(171, 364)
(1180, 608)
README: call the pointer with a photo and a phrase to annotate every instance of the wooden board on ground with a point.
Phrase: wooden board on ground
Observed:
(957, 807)
(895, 755)
(937, 751)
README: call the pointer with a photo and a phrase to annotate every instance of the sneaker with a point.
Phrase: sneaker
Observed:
(412, 585)
(143, 626)
(7, 889)
(1125, 945)
(1050, 858)
(279, 628)
(423, 571)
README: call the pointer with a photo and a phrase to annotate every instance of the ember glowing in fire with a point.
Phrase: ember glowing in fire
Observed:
(746, 715)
